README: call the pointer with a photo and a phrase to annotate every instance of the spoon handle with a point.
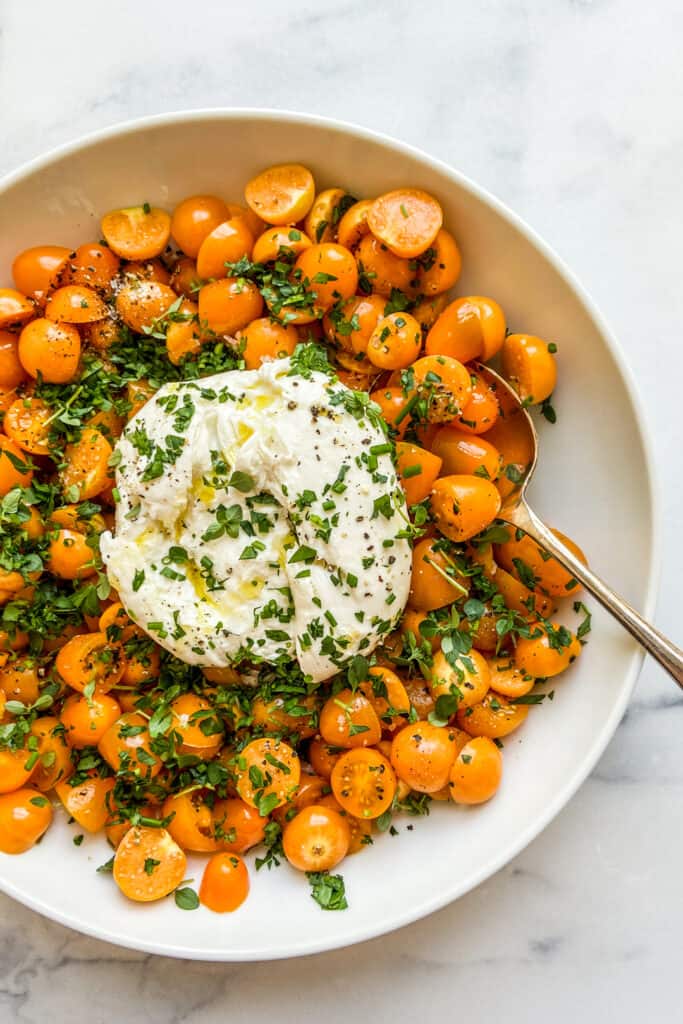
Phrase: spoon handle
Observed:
(667, 654)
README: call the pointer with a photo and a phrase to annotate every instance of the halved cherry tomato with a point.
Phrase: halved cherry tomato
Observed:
(329, 272)
(388, 696)
(91, 658)
(548, 654)
(524, 558)
(394, 407)
(225, 883)
(15, 469)
(466, 676)
(196, 723)
(417, 470)
(34, 270)
(465, 453)
(148, 865)
(86, 719)
(141, 303)
(508, 679)
(194, 218)
(24, 817)
(321, 219)
(16, 767)
(92, 265)
(125, 746)
(12, 371)
(276, 242)
(282, 194)
(192, 821)
(364, 783)
(440, 265)
(183, 335)
(227, 243)
(395, 342)
(266, 339)
(529, 364)
(435, 579)
(382, 269)
(444, 384)
(494, 716)
(229, 305)
(472, 327)
(481, 411)
(463, 505)
(74, 304)
(287, 714)
(54, 756)
(87, 465)
(422, 755)
(268, 772)
(406, 220)
(353, 225)
(88, 802)
(476, 773)
(349, 720)
(15, 308)
(137, 232)
(317, 839)
(323, 756)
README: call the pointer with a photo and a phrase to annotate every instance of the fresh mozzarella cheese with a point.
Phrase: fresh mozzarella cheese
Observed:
(260, 519)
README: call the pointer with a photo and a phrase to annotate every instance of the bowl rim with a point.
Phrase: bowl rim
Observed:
(428, 906)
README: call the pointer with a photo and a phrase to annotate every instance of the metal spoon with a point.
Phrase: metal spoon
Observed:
(516, 512)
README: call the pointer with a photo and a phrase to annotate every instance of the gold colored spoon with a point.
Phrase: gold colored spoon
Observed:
(516, 512)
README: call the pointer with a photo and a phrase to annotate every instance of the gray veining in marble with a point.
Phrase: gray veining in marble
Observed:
(570, 111)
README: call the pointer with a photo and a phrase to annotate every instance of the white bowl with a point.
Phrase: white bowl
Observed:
(594, 481)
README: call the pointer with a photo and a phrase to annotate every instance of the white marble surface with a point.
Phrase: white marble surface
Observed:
(569, 110)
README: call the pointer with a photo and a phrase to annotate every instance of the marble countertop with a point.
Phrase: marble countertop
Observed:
(570, 112)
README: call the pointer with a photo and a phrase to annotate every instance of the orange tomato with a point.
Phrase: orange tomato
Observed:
(125, 746)
(87, 465)
(90, 658)
(323, 756)
(395, 342)
(507, 679)
(86, 720)
(422, 755)
(268, 773)
(74, 304)
(34, 270)
(227, 243)
(92, 265)
(317, 839)
(16, 768)
(394, 407)
(229, 305)
(238, 826)
(88, 802)
(476, 773)
(138, 232)
(522, 555)
(15, 470)
(20, 680)
(548, 654)
(481, 412)
(417, 470)
(194, 218)
(464, 453)
(225, 883)
(406, 220)
(349, 720)
(266, 339)
(472, 327)
(296, 714)
(411, 622)
(351, 326)
(529, 364)
(144, 270)
(185, 279)
(190, 712)
(50, 350)
(329, 273)
(363, 782)
(183, 334)
(24, 817)
(353, 224)
(282, 194)
(15, 308)
(277, 242)
(54, 756)
(12, 371)
(463, 505)
(494, 717)
(141, 303)
(388, 696)
(466, 676)
(440, 265)
(428, 310)
(444, 384)
(435, 579)
(70, 556)
(192, 821)
(382, 270)
(321, 219)
(144, 848)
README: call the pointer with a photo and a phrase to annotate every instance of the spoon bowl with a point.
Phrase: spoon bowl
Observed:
(515, 510)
